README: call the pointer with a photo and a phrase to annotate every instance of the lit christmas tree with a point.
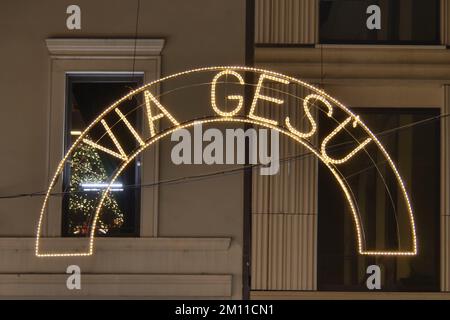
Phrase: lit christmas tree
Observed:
(87, 167)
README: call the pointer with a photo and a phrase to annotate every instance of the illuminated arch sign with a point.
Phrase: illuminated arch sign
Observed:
(227, 106)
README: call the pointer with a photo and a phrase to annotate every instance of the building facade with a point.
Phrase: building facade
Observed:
(386, 70)
(223, 231)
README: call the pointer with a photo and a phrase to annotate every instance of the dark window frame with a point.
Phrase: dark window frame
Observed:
(96, 77)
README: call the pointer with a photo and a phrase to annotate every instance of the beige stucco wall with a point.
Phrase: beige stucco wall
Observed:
(197, 33)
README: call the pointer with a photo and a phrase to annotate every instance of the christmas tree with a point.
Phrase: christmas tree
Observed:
(87, 167)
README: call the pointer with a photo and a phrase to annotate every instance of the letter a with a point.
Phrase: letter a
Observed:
(74, 280)
(374, 21)
(374, 280)
(151, 118)
(181, 152)
(73, 21)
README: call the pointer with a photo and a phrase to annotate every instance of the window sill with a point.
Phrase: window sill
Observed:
(379, 46)
(119, 244)
(315, 295)
(117, 286)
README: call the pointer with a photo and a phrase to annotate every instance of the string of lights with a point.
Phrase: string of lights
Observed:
(248, 119)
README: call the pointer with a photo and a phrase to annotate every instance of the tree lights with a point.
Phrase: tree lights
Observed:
(155, 111)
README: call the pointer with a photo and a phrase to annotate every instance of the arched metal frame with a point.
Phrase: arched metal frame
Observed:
(228, 117)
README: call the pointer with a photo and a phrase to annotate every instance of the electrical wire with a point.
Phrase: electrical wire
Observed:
(187, 179)
(136, 37)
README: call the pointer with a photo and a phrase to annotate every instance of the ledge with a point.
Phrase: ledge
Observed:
(122, 256)
(378, 63)
(117, 285)
(380, 46)
(319, 295)
(92, 47)
(120, 244)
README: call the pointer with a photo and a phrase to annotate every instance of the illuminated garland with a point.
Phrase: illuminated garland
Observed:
(231, 116)
(84, 203)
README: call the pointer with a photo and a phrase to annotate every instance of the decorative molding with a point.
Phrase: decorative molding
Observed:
(117, 285)
(121, 244)
(327, 295)
(113, 47)
(124, 256)
(445, 192)
(380, 46)
(59, 66)
(349, 63)
(445, 246)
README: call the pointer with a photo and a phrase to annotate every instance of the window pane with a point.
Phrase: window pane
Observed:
(415, 150)
(401, 22)
(90, 169)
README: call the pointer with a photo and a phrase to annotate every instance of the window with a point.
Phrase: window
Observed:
(416, 151)
(400, 22)
(89, 169)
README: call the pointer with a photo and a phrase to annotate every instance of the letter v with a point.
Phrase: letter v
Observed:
(121, 154)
